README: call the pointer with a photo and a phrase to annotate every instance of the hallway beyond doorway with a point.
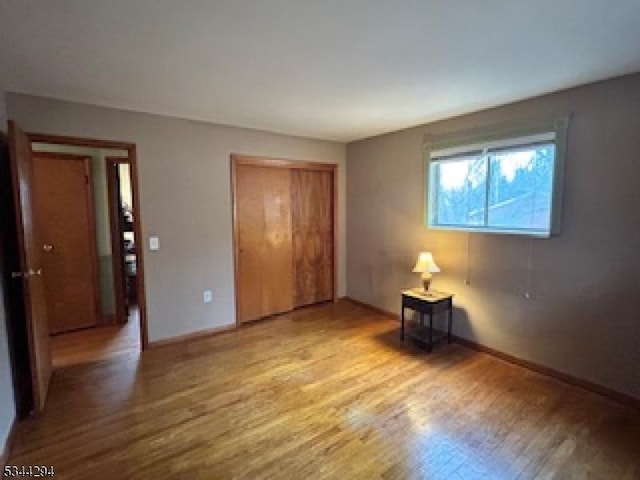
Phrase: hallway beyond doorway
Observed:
(95, 344)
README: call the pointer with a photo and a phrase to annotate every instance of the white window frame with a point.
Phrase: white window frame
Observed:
(555, 133)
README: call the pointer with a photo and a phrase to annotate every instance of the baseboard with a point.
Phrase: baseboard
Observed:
(190, 337)
(6, 450)
(550, 372)
(381, 311)
(536, 367)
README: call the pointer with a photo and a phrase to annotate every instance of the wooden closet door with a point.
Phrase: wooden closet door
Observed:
(312, 217)
(264, 243)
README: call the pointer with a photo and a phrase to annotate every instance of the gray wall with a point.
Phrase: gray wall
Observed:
(583, 317)
(184, 172)
(7, 404)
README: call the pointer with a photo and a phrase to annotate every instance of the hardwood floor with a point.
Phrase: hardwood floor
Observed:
(98, 343)
(324, 392)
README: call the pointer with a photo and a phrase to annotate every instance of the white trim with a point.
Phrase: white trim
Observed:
(440, 155)
(506, 231)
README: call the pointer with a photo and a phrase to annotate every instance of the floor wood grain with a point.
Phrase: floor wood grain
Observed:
(97, 343)
(324, 392)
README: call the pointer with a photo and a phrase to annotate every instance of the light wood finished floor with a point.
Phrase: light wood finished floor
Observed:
(324, 392)
(94, 344)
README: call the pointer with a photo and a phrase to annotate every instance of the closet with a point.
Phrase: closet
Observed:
(283, 235)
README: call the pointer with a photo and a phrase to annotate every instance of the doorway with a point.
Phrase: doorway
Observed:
(90, 270)
(123, 237)
(63, 260)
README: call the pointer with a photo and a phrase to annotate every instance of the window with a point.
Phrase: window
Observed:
(504, 186)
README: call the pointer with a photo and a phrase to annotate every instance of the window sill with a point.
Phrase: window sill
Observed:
(499, 231)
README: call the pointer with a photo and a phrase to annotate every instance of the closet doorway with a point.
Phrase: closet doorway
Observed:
(284, 218)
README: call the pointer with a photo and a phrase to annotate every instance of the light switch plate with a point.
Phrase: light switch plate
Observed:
(154, 243)
(207, 296)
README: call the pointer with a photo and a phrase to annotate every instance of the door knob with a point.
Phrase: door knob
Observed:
(47, 247)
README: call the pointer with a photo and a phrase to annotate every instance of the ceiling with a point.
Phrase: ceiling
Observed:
(329, 69)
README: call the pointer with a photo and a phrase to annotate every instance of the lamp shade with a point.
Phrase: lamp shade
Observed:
(426, 264)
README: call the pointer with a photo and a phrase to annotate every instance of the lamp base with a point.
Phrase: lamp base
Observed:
(426, 281)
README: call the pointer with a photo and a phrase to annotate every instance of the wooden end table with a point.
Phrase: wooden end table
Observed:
(431, 302)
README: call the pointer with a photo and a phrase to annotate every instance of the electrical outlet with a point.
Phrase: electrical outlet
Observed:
(207, 296)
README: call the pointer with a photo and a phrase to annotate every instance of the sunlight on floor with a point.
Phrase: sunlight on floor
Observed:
(95, 344)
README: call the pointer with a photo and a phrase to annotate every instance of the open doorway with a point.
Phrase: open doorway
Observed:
(85, 199)
(123, 238)
(79, 227)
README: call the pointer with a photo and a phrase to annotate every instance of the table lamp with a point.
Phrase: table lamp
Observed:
(426, 266)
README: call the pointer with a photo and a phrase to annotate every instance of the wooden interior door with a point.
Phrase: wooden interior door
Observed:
(64, 209)
(264, 245)
(312, 220)
(30, 253)
(17, 334)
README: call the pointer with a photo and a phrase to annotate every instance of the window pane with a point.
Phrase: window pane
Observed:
(520, 188)
(460, 187)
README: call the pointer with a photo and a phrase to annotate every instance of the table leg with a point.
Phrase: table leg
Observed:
(450, 322)
(402, 324)
(430, 332)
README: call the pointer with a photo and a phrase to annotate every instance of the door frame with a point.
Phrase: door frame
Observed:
(137, 221)
(93, 248)
(288, 164)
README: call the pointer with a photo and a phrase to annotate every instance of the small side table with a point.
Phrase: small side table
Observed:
(430, 303)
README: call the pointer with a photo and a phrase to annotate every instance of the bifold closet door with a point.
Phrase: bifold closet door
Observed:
(264, 243)
(312, 220)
